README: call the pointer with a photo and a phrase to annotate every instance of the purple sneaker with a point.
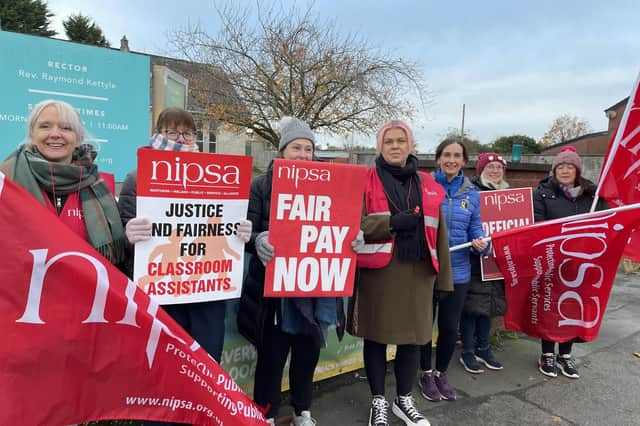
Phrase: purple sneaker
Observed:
(428, 388)
(447, 392)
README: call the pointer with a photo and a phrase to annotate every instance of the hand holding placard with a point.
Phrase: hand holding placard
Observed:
(138, 229)
(264, 249)
(244, 230)
(358, 243)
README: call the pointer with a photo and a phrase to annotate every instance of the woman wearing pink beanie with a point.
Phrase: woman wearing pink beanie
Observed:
(563, 193)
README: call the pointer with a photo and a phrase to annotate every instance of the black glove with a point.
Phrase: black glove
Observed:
(406, 220)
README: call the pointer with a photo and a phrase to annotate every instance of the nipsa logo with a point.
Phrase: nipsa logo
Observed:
(193, 174)
(41, 264)
(298, 174)
(501, 199)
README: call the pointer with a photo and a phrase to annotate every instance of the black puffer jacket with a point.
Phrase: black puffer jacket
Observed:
(550, 201)
(254, 310)
(484, 298)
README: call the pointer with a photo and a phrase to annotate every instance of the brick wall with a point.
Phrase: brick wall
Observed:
(519, 175)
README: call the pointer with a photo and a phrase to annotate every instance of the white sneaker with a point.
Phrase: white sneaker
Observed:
(304, 419)
(404, 408)
(271, 421)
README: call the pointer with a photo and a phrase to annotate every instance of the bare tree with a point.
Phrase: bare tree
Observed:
(564, 128)
(289, 63)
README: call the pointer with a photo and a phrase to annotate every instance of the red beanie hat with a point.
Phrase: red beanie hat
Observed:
(567, 155)
(486, 158)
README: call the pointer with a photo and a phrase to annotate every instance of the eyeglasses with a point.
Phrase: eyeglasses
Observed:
(174, 135)
(494, 167)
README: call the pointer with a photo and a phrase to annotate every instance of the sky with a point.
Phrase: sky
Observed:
(516, 66)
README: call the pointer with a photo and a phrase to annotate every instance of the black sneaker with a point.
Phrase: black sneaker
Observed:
(470, 363)
(378, 414)
(547, 365)
(403, 408)
(486, 357)
(567, 366)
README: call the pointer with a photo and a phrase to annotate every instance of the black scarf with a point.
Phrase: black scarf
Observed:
(402, 188)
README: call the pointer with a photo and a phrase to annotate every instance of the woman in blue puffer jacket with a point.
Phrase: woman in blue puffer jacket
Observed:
(461, 208)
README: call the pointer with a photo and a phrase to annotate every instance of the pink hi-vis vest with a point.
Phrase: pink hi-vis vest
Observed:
(377, 254)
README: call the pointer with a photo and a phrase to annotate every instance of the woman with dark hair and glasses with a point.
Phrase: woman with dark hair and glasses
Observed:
(204, 321)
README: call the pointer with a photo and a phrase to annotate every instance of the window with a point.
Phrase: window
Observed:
(212, 142)
(199, 141)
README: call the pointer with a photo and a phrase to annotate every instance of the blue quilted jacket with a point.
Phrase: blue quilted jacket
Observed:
(461, 209)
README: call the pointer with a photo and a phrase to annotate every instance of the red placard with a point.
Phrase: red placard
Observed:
(502, 210)
(195, 202)
(315, 215)
(170, 174)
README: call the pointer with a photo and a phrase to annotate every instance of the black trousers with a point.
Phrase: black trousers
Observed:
(449, 310)
(204, 321)
(375, 364)
(548, 347)
(272, 357)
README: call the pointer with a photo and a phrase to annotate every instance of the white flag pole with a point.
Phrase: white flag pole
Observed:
(616, 142)
(465, 245)
(562, 219)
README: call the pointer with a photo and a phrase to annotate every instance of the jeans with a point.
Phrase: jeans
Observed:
(478, 325)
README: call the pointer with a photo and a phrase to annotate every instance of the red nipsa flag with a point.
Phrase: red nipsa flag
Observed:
(83, 343)
(620, 175)
(559, 273)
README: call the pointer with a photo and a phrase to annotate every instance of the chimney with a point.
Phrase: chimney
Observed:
(124, 44)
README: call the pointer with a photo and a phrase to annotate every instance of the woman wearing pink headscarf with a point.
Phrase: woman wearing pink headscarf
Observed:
(405, 247)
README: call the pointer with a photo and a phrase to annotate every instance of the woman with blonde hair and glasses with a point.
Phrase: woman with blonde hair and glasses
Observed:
(484, 300)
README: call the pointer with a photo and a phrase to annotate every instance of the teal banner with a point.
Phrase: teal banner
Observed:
(109, 88)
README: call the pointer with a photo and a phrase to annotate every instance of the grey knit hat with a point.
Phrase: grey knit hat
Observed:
(292, 128)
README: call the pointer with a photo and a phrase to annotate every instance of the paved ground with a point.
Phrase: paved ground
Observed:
(608, 392)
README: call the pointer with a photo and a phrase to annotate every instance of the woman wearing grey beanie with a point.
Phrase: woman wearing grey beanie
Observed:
(277, 326)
